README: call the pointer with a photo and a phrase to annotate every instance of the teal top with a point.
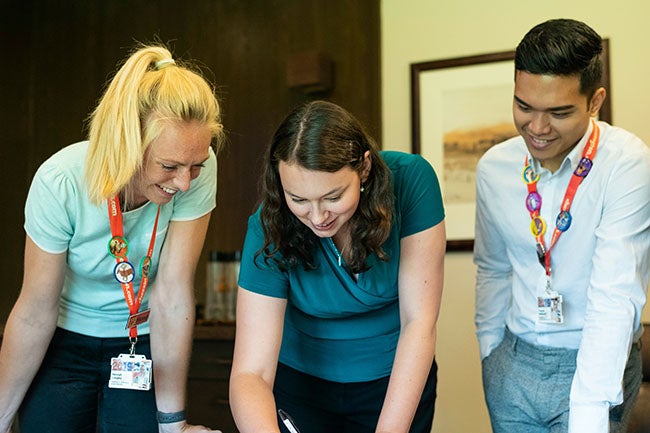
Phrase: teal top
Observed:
(338, 328)
(60, 218)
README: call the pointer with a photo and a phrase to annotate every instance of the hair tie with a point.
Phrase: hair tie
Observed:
(161, 64)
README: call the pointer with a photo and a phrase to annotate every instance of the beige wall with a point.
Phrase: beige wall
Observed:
(422, 30)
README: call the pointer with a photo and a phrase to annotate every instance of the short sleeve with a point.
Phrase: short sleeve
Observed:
(50, 209)
(417, 192)
(255, 274)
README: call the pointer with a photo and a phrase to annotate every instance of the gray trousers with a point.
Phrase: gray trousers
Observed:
(527, 388)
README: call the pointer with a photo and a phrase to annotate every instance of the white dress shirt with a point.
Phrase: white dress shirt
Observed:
(600, 265)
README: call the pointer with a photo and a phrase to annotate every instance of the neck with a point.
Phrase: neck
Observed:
(128, 202)
(342, 238)
(342, 241)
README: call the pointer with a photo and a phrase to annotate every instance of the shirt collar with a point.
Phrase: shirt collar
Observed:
(572, 159)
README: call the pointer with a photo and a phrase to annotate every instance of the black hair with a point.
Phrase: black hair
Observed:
(563, 47)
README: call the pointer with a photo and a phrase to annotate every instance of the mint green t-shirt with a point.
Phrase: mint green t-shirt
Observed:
(337, 328)
(59, 218)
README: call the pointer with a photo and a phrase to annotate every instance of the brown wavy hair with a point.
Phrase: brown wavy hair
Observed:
(323, 136)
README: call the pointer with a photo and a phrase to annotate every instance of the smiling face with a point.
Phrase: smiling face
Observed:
(171, 161)
(552, 115)
(321, 200)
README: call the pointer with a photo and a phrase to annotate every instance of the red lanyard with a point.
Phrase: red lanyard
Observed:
(563, 220)
(124, 271)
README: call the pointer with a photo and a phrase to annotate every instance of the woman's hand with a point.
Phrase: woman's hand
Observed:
(184, 427)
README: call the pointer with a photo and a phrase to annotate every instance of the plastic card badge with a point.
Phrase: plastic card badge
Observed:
(549, 308)
(130, 372)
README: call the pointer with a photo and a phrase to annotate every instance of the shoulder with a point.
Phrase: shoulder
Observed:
(406, 165)
(510, 152)
(211, 163)
(395, 159)
(68, 159)
(255, 219)
(622, 159)
(418, 198)
(255, 232)
(618, 143)
(409, 171)
(64, 169)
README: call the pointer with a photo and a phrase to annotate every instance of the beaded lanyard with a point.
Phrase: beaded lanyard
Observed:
(563, 220)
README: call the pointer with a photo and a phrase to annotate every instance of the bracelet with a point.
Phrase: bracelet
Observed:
(170, 417)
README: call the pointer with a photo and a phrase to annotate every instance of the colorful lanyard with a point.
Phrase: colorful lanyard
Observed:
(124, 271)
(563, 220)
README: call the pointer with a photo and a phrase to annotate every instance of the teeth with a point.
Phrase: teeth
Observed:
(168, 191)
(540, 142)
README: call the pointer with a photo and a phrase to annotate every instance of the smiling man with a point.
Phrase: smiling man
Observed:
(562, 247)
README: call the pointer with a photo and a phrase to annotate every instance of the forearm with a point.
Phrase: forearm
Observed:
(172, 327)
(255, 361)
(25, 342)
(413, 360)
(601, 364)
(252, 404)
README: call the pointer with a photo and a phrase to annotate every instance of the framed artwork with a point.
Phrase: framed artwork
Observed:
(460, 107)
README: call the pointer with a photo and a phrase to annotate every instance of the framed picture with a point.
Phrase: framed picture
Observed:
(460, 107)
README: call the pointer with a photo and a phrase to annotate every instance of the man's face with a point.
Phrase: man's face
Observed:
(552, 115)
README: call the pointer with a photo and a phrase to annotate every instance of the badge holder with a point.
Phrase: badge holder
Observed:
(131, 371)
(549, 306)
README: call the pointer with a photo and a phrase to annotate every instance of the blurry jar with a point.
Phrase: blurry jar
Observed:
(221, 291)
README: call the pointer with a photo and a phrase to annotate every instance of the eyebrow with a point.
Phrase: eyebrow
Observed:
(558, 108)
(174, 162)
(333, 191)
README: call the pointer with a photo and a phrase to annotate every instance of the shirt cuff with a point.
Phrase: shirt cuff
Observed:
(488, 342)
(593, 418)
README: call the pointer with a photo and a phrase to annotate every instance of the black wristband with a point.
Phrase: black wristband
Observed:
(170, 417)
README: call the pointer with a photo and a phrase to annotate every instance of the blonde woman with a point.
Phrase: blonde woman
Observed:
(99, 339)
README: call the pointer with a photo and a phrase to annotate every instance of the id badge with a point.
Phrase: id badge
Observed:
(549, 308)
(130, 372)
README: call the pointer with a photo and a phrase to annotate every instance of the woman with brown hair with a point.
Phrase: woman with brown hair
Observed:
(340, 284)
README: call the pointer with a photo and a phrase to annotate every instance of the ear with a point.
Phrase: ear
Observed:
(597, 101)
(367, 165)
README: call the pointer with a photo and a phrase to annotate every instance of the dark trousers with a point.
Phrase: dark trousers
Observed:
(70, 392)
(321, 406)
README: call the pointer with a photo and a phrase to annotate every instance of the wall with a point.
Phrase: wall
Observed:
(58, 55)
(423, 30)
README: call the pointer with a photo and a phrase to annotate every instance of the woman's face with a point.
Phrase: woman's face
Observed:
(171, 161)
(322, 201)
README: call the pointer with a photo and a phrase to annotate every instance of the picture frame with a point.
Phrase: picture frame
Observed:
(467, 104)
